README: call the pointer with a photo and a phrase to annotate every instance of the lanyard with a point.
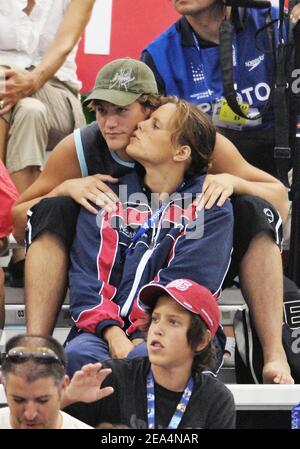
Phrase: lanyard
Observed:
(180, 409)
(148, 224)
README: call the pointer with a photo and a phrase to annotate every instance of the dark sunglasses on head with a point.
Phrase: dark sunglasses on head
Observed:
(21, 354)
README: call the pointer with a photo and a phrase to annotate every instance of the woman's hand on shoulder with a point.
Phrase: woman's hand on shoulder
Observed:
(216, 190)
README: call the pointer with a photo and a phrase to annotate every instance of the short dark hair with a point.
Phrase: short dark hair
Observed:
(203, 359)
(32, 370)
(152, 101)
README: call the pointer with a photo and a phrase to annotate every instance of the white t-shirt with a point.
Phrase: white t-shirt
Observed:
(25, 39)
(68, 421)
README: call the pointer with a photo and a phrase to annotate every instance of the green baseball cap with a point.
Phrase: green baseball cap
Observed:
(123, 81)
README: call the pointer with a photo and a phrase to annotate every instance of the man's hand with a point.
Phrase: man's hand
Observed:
(118, 342)
(85, 385)
(90, 188)
(17, 85)
(216, 190)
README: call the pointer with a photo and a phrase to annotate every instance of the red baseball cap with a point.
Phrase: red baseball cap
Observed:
(190, 295)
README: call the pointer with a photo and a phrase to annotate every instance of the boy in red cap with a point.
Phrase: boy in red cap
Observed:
(168, 389)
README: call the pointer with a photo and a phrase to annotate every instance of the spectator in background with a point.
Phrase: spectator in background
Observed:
(168, 390)
(39, 101)
(186, 62)
(34, 379)
(109, 425)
